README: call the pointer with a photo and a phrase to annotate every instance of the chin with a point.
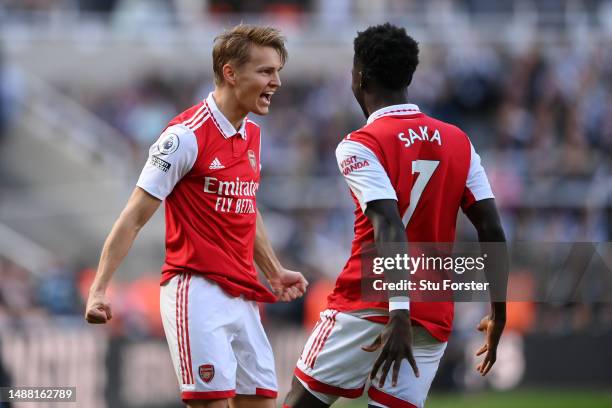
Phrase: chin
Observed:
(261, 110)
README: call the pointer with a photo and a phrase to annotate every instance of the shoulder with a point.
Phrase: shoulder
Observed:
(250, 123)
(252, 127)
(363, 136)
(356, 147)
(193, 117)
(377, 134)
(448, 128)
(363, 140)
(180, 130)
(176, 138)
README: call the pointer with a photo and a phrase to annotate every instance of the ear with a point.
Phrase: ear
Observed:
(229, 74)
(362, 80)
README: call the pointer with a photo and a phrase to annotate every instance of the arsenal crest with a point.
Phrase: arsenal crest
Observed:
(252, 159)
(207, 372)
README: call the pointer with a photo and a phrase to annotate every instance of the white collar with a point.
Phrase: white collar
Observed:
(222, 123)
(403, 109)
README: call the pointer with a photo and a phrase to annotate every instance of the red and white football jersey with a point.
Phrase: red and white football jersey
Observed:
(208, 174)
(431, 169)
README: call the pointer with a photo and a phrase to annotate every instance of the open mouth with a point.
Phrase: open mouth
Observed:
(266, 97)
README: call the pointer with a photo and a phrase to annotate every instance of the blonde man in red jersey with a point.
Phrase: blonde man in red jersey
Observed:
(205, 166)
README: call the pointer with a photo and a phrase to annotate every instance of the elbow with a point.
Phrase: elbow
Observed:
(491, 232)
(386, 221)
(130, 223)
(389, 231)
(137, 224)
(398, 231)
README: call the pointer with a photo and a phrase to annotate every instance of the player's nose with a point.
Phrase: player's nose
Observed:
(276, 81)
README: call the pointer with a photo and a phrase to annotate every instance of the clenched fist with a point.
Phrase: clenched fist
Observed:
(98, 310)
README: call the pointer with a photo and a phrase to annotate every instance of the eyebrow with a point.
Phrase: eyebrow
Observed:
(268, 67)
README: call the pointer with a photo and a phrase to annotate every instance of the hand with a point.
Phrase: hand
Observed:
(98, 310)
(493, 330)
(289, 285)
(397, 339)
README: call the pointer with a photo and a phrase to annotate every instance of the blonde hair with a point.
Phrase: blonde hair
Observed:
(233, 46)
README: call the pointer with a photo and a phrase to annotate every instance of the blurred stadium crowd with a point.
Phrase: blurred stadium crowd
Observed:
(541, 117)
(342, 9)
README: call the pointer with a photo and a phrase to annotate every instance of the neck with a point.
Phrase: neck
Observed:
(374, 102)
(230, 107)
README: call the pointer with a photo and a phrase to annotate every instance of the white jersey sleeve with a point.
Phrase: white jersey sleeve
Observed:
(170, 158)
(364, 174)
(477, 185)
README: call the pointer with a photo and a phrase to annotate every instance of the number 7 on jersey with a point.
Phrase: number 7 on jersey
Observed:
(425, 168)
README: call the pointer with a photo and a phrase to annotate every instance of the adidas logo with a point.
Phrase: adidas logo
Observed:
(216, 164)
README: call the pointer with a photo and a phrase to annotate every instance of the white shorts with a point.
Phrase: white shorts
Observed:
(217, 343)
(333, 364)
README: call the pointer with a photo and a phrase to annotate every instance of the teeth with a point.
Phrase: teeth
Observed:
(267, 96)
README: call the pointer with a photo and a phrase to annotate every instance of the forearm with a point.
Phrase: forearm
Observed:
(390, 239)
(115, 249)
(496, 269)
(264, 255)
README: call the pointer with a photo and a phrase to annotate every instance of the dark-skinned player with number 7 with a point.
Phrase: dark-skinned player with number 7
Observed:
(409, 175)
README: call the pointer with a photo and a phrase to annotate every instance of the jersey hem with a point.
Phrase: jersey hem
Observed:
(441, 335)
(247, 293)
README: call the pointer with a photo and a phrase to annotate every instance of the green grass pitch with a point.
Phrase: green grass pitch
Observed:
(545, 398)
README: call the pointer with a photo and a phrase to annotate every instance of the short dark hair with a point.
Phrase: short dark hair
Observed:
(387, 55)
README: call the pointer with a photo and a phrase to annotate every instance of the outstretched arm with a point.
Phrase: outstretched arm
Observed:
(138, 210)
(287, 285)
